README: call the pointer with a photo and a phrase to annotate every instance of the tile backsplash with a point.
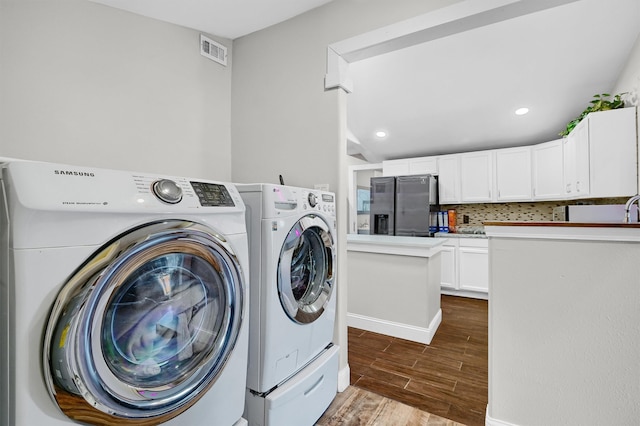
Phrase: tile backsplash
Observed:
(539, 211)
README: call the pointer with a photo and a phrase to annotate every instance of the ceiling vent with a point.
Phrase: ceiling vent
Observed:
(213, 50)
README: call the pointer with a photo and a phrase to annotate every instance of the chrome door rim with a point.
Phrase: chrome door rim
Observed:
(304, 313)
(84, 298)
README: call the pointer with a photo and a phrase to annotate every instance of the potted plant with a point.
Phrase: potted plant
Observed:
(600, 102)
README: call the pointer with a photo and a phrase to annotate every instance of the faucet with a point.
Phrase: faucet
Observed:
(630, 201)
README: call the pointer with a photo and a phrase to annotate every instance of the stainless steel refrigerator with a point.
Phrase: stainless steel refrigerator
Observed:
(403, 205)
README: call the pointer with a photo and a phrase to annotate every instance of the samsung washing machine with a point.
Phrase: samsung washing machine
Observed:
(293, 366)
(123, 298)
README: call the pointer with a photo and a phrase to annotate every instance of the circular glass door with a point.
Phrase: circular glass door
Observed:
(305, 269)
(146, 325)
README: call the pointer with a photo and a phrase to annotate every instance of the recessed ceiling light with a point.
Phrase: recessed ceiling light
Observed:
(381, 134)
(522, 111)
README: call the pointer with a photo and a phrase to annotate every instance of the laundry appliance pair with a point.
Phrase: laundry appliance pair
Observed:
(123, 298)
(293, 366)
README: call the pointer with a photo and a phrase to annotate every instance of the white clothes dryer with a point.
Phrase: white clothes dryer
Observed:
(123, 298)
(293, 367)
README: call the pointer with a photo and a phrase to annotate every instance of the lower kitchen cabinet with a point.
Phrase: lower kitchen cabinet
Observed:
(449, 268)
(474, 265)
(464, 269)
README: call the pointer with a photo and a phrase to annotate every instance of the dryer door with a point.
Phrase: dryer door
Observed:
(142, 330)
(306, 269)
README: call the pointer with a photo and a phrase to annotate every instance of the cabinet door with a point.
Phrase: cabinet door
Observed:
(476, 177)
(569, 166)
(449, 180)
(548, 183)
(513, 174)
(583, 161)
(613, 153)
(474, 266)
(423, 166)
(395, 167)
(448, 268)
(575, 159)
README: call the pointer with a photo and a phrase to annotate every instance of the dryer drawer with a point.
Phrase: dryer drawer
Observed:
(302, 399)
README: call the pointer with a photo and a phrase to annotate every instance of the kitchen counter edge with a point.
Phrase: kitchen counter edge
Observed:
(403, 246)
(625, 232)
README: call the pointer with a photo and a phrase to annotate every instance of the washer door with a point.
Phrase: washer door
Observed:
(142, 330)
(305, 269)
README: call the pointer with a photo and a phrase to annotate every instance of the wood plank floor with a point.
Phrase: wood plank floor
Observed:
(358, 407)
(447, 378)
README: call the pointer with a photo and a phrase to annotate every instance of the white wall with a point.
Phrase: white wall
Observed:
(283, 122)
(563, 321)
(85, 84)
(629, 80)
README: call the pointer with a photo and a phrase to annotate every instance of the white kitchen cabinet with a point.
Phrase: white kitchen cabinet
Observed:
(476, 177)
(410, 166)
(613, 153)
(395, 167)
(449, 267)
(473, 260)
(598, 159)
(423, 166)
(464, 268)
(449, 179)
(547, 173)
(575, 159)
(513, 174)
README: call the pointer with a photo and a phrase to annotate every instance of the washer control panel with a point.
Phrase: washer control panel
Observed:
(167, 190)
(212, 194)
(313, 200)
(320, 201)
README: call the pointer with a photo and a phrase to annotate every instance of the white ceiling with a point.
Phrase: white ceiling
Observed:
(459, 93)
(225, 18)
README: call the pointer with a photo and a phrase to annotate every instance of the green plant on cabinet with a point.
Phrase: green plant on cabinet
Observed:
(600, 102)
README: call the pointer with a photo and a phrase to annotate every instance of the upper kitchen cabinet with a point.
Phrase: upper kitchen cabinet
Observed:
(575, 158)
(395, 167)
(612, 153)
(449, 178)
(476, 177)
(513, 174)
(423, 166)
(547, 174)
(410, 166)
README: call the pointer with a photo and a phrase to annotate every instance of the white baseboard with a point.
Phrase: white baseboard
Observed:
(390, 328)
(344, 378)
(489, 421)
(465, 293)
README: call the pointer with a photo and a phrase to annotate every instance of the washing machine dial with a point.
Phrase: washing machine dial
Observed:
(313, 200)
(168, 191)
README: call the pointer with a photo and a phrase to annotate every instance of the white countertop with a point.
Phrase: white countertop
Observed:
(403, 246)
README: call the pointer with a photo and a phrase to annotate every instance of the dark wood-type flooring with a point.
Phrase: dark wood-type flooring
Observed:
(447, 378)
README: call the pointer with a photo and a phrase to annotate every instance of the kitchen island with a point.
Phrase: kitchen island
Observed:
(564, 315)
(394, 285)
